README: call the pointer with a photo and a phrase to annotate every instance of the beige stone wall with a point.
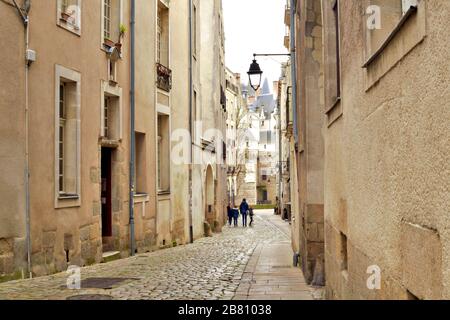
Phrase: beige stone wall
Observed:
(211, 82)
(12, 144)
(180, 114)
(310, 159)
(75, 228)
(386, 187)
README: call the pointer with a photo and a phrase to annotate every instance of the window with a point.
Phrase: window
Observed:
(62, 124)
(344, 252)
(107, 19)
(162, 37)
(332, 51)
(338, 51)
(67, 137)
(393, 29)
(195, 112)
(105, 112)
(140, 172)
(194, 30)
(163, 153)
(387, 16)
(112, 71)
(158, 40)
(69, 15)
(111, 113)
(112, 19)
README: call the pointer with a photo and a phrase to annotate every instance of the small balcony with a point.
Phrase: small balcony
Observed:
(163, 77)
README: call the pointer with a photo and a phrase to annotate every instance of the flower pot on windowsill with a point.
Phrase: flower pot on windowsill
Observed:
(109, 43)
(65, 16)
(118, 45)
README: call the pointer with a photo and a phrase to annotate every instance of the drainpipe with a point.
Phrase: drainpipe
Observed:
(191, 227)
(294, 68)
(132, 126)
(27, 151)
(24, 15)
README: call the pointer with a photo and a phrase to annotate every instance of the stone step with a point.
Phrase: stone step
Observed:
(110, 256)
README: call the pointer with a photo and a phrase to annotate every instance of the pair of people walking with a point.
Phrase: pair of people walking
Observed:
(245, 210)
(233, 216)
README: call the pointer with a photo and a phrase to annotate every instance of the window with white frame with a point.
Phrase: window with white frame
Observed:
(62, 124)
(163, 153)
(162, 37)
(140, 172)
(107, 19)
(194, 30)
(69, 15)
(67, 134)
(112, 22)
(111, 113)
(112, 71)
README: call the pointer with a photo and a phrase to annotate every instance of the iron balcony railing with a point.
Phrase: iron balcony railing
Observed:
(163, 77)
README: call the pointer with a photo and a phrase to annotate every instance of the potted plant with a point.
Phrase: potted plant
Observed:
(122, 31)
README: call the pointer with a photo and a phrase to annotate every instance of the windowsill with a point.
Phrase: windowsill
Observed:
(140, 194)
(412, 10)
(334, 105)
(141, 198)
(68, 197)
(163, 193)
(69, 27)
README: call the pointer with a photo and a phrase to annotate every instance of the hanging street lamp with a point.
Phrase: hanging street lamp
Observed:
(255, 75)
(255, 72)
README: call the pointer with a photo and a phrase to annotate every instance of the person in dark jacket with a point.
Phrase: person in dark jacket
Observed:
(252, 214)
(244, 211)
(235, 216)
(230, 215)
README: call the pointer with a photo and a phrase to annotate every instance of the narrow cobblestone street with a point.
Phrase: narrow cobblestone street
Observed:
(251, 263)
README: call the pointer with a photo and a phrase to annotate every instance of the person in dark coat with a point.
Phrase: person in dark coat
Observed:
(230, 215)
(244, 211)
(251, 214)
(235, 216)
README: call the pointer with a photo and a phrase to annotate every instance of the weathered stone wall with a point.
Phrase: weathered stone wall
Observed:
(310, 163)
(387, 161)
(12, 145)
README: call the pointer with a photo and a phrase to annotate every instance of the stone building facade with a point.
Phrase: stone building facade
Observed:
(236, 112)
(209, 169)
(372, 111)
(386, 138)
(65, 146)
(308, 157)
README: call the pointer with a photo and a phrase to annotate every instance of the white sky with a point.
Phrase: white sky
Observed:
(254, 26)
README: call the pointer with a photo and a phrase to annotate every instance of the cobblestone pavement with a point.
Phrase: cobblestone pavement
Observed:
(209, 269)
